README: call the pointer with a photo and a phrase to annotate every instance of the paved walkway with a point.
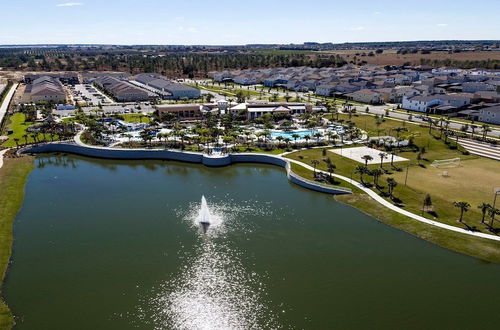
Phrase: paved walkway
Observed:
(5, 105)
(399, 210)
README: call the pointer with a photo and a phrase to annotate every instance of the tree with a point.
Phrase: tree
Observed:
(382, 156)
(463, 206)
(295, 136)
(391, 183)
(484, 207)
(376, 173)
(491, 213)
(486, 129)
(393, 153)
(427, 203)
(361, 170)
(307, 137)
(315, 163)
(331, 168)
(367, 158)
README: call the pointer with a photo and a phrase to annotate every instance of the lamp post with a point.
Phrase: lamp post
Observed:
(496, 191)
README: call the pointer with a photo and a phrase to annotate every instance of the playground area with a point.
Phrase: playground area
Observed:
(357, 153)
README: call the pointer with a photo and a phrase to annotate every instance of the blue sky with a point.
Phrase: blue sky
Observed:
(225, 22)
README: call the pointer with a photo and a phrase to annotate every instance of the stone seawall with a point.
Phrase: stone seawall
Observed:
(190, 157)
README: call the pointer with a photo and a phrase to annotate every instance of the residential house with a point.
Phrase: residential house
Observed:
(490, 115)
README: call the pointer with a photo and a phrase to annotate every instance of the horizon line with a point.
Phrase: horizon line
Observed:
(251, 44)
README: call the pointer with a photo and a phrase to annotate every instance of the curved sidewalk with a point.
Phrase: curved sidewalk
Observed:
(399, 210)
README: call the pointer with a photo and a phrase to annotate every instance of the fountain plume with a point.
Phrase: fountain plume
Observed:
(204, 215)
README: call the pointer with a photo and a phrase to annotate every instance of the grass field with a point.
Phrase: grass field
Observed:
(473, 182)
(13, 176)
(135, 118)
(18, 125)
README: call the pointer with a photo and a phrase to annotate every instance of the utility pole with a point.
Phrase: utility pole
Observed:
(406, 176)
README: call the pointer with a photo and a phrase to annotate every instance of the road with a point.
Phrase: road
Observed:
(380, 110)
(5, 105)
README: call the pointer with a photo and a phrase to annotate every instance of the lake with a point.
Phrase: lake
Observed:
(103, 244)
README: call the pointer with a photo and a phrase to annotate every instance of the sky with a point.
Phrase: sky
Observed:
(224, 22)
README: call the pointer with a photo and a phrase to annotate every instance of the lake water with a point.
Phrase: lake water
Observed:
(115, 245)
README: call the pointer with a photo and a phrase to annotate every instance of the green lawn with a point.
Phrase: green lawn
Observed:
(135, 118)
(18, 124)
(13, 176)
(473, 182)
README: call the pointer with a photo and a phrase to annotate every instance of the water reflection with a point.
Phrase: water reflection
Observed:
(213, 289)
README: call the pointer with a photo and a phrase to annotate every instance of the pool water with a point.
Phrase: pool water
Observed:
(289, 135)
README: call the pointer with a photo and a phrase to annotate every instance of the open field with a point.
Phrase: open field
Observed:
(390, 57)
(13, 177)
(473, 182)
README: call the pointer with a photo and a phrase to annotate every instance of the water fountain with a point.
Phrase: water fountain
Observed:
(204, 215)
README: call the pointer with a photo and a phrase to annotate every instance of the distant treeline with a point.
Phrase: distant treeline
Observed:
(483, 64)
(175, 63)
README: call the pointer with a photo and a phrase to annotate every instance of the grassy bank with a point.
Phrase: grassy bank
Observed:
(480, 248)
(13, 176)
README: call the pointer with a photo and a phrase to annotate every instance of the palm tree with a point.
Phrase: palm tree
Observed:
(464, 207)
(427, 203)
(393, 153)
(331, 168)
(295, 136)
(367, 158)
(361, 170)
(472, 128)
(486, 129)
(16, 140)
(376, 175)
(484, 207)
(315, 163)
(391, 183)
(492, 212)
(307, 137)
(382, 156)
(279, 138)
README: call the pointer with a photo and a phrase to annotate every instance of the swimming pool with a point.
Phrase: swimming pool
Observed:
(289, 135)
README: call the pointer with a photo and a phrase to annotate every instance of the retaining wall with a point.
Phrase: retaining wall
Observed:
(190, 157)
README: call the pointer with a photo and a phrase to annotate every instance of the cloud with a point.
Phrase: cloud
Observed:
(358, 28)
(442, 24)
(69, 4)
(376, 13)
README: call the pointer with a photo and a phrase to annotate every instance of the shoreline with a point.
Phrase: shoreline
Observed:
(13, 178)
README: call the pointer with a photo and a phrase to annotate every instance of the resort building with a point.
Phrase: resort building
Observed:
(46, 89)
(257, 109)
(185, 111)
(166, 88)
(121, 90)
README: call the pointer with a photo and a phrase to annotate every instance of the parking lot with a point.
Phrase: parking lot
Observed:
(86, 93)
